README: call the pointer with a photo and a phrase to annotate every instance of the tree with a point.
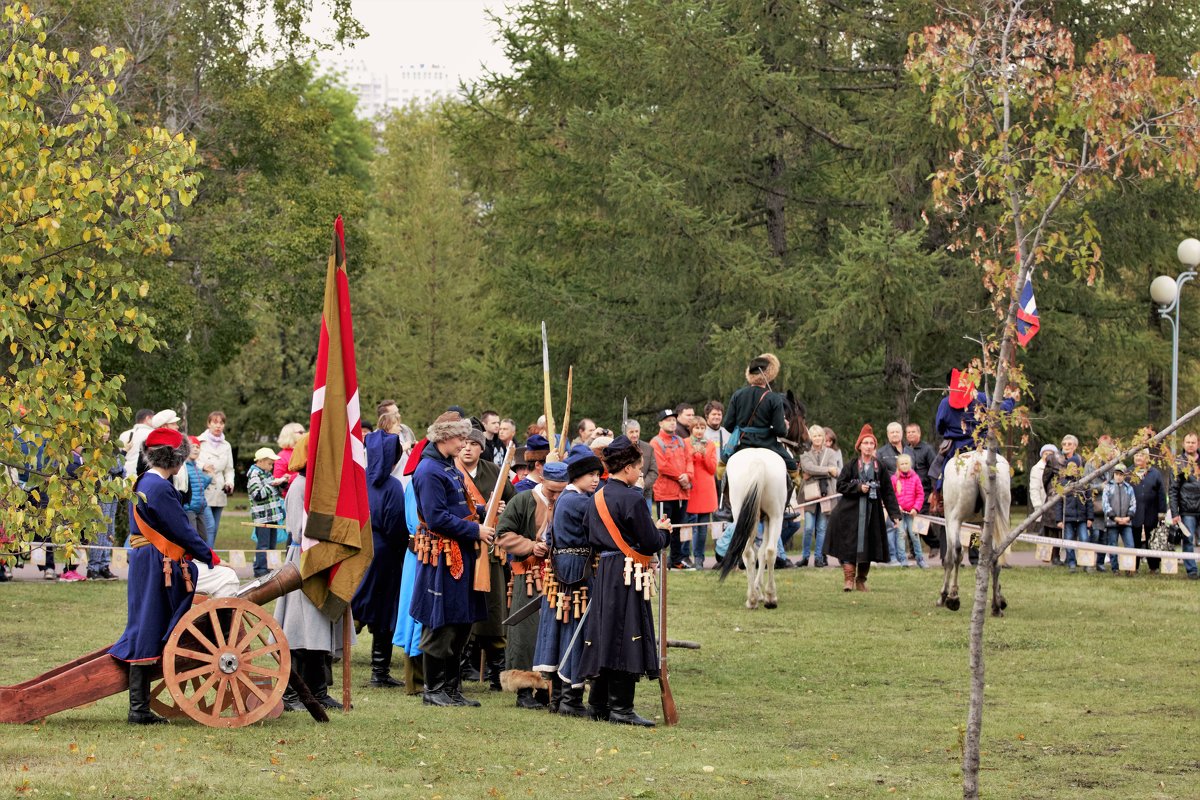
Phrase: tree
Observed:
(423, 324)
(84, 192)
(1040, 134)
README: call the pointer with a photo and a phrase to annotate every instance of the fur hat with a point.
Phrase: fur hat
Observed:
(475, 435)
(447, 426)
(513, 679)
(620, 454)
(766, 365)
(581, 461)
(537, 447)
(866, 432)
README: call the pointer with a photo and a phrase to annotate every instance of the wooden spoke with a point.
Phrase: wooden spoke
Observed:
(218, 631)
(250, 655)
(222, 688)
(195, 673)
(251, 635)
(266, 672)
(245, 679)
(235, 625)
(238, 699)
(195, 655)
(200, 637)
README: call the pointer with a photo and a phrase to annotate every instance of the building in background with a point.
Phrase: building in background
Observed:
(379, 92)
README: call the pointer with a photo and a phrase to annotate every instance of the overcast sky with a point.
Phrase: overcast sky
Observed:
(453, 33)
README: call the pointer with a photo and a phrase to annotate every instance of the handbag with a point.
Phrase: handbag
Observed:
(731, 444)
(1166, 535)
(812, 491)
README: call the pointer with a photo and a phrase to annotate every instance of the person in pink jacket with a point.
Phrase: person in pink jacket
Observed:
(910, 495)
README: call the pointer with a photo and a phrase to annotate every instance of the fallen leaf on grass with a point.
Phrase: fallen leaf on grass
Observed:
(708, 768)
(73, 748)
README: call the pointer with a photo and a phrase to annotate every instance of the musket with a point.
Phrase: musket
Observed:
(670, 713)
(483, 568)
(549, 408)
(562, 445)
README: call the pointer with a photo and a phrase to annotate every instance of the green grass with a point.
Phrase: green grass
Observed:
(1091, 694)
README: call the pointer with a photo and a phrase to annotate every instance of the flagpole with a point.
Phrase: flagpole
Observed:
(347, 621)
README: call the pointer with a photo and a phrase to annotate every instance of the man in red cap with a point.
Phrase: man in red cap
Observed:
(162, 577)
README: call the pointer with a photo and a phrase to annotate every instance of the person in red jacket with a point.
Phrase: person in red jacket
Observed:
(675, 479)
(702, 499)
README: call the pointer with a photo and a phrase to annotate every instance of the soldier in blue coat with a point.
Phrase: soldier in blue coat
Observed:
(158, 596)
(570, 557)
(444, 601)
(618, 635)
(376, 603)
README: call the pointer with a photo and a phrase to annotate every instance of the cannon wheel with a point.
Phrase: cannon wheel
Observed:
(226, 663)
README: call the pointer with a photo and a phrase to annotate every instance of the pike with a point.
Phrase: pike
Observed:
(483, 574)
(624, 413)
(562, 442)
(549, 409)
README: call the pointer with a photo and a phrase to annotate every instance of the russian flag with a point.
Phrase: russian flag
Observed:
(1027, 315)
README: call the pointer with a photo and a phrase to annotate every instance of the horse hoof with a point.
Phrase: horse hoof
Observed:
(941, 602)
(770, 604)
(997, 612)
(952, 603)
(1003, 604)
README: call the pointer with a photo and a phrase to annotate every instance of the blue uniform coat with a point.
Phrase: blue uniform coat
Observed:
(438, 598)
(375, 604)
(153, 608)
(553, 637)
(618, 633)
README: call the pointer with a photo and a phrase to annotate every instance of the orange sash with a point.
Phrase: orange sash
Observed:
(611, 527)
(170, 551)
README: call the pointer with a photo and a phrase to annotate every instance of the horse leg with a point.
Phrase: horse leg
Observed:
(775, 531)
(954, 551)
(750, 561)
(947, 566)
(998, 601)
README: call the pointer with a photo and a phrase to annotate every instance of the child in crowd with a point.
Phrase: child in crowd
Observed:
(197, 509)
(1120, 504)
(266, 505)
(910, 495)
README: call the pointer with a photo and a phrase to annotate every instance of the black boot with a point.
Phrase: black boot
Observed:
(317, 677)
(495, 665)
(621, 686)
(571, 704)
(381, 664)
(556, 690)
(525, 699)
(454, 689)
(139, 696)
(435, 682)
(291, 700)
(598, 698)
(470, 661)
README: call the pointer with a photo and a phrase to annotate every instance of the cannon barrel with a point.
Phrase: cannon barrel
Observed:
(272, 587)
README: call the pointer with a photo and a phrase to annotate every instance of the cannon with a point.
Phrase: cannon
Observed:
(226, 665)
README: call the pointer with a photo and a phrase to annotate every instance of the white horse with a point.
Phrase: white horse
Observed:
(962, 484)
(758, 489)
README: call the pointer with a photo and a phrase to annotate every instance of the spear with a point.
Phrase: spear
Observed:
(566, 426)
(549, 410)
(624, 413)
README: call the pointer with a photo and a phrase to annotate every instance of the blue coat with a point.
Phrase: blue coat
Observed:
(153, 608)
(438, 598)
(375, 602)
(959, 426)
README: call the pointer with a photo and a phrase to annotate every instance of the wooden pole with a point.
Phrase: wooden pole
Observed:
(549, 410)
(347, 620)
(562, 447)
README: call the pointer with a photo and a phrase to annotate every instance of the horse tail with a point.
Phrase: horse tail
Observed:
(743, 530)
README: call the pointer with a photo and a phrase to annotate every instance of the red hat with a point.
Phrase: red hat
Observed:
(962, 389)
(194, 440)
(863, 434)
(164, 436)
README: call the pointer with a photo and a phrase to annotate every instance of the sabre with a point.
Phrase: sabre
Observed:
(549, 410)
(571, 644)
(624, 413)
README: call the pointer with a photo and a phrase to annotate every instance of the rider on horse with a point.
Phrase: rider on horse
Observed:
(959, 417)
(759, 413)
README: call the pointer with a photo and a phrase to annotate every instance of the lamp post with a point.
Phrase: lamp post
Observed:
(1166, 292)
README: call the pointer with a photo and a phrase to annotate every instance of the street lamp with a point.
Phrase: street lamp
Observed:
(1166, 292)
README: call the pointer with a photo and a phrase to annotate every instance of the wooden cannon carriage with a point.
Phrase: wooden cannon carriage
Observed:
(226, 664)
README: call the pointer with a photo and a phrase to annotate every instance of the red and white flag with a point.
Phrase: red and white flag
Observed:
(336, 549)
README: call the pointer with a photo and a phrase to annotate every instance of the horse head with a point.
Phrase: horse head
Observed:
(797, 435)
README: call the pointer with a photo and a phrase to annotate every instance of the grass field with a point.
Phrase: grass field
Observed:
(1091, 694)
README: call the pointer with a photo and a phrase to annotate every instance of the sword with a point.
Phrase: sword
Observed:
(624, 414)
(524, 612)
(575, 638)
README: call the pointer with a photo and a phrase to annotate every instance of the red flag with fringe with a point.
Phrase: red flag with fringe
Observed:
(336, 549)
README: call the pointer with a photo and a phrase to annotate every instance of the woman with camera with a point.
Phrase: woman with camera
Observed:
(857, 533)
